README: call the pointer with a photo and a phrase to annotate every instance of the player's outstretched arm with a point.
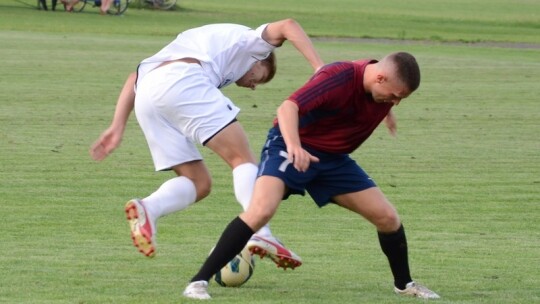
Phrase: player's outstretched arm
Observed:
(288, 29)
(110, 139)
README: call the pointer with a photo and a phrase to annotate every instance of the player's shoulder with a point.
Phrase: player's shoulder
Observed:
(338, 66)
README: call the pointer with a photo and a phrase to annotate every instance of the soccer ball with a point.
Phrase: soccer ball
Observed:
(237, 271)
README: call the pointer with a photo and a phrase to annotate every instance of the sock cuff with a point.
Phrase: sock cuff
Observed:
(188, 183)
(392, 235)
(400, 231)
(243, 167)
(241, 225)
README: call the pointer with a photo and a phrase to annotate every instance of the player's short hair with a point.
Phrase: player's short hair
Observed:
(406, 69)
(270, 64)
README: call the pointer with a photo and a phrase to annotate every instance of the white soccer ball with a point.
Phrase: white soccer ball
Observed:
(237, 271)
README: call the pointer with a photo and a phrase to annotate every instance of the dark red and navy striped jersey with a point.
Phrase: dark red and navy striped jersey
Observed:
(336, 115)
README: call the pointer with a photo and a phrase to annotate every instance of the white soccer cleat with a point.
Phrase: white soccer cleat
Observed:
(197, 290)
(274, 249)
(141, 229)
(413, 289)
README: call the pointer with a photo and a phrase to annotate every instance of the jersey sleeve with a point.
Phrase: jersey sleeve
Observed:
(259, 48)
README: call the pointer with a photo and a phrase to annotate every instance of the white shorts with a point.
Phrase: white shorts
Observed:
(177, 106)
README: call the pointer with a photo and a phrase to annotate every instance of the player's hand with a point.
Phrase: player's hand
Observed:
(391, 123)
(300, 158)
(108, 141)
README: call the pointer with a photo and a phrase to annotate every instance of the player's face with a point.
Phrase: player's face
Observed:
(389, 90)
(255, 76)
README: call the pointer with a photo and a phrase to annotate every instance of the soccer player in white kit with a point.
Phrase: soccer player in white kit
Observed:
(178, 104)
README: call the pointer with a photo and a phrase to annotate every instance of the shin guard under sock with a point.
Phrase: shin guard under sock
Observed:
(394, 246)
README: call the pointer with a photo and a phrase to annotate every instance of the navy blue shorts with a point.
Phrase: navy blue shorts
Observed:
(334, 174)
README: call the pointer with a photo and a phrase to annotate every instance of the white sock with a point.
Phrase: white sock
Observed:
(244, 181)
(173, 195)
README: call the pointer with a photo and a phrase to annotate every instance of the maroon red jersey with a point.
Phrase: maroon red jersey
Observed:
(336, 115)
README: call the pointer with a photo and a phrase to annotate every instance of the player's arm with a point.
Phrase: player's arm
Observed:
(287, 114)
(288, 29)
(391, 123)
(125, 103)
(110, 138)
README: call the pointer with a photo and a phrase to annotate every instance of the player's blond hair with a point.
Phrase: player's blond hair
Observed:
(270, 64)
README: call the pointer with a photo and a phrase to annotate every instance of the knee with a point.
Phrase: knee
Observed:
(259, 218)
(256, 218)
(265, 217)
(388, 222)
(203, 188)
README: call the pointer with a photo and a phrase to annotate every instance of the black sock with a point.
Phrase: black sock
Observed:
(394, 246)
(233, 239)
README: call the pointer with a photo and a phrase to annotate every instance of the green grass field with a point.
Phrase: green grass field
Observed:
(464, 171)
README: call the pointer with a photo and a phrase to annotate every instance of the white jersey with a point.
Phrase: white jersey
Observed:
(226, 51)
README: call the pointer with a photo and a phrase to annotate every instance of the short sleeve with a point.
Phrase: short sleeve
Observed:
(257, 46)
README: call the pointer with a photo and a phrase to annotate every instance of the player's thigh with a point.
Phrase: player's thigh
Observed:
(168, 146)
(232, 145)
(373, 205)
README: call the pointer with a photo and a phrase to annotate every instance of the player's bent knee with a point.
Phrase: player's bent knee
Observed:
(390, 222)
(256, 220)
(203, 189)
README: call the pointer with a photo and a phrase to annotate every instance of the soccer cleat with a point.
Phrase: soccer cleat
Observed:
(416, 290)
(141, 229)
(272, 247)
(197, 290)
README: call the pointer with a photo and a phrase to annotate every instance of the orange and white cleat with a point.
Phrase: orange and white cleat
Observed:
(142, 233)
(274, 249)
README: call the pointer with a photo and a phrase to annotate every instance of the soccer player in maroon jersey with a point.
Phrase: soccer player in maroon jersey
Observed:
(308, 149)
